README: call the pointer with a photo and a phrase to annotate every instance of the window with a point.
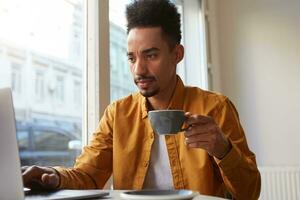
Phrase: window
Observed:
(77, 94)
(194, 71)
(60, 89)
(37, 37)
(16, 78)
(114, 58)
(49, 34)
(43, 140)
(124, 64)
(39, 86)
(23, 139)
(121, 83)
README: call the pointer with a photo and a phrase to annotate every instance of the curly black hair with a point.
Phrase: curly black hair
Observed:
(155, 13)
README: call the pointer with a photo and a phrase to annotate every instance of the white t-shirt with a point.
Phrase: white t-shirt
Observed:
(159, 174)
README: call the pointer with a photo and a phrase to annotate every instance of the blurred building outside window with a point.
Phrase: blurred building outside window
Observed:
(41, 52)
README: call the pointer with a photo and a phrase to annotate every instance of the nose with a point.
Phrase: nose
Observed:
(139, 67)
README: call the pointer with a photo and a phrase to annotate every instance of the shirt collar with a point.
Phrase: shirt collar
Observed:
(176, 102)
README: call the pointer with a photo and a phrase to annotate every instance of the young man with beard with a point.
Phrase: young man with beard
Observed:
(211, 157)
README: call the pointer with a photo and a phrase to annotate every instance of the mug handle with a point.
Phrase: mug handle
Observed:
(186, 128)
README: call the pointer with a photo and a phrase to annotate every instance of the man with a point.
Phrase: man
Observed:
(211, 157)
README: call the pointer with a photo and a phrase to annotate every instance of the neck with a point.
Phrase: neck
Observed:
(162, 100)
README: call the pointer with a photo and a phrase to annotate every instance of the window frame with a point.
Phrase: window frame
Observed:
(193, 23)
(97, 71)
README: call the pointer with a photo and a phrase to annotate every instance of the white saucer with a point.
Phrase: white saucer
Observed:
(159, 194)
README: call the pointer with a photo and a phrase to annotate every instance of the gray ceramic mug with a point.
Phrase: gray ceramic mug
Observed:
(167, 122)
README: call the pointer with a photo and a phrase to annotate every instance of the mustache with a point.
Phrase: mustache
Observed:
(141, 77)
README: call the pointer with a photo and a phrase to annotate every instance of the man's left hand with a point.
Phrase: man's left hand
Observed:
(203, 132)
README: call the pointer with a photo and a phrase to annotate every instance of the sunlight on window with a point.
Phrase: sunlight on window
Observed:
(121, 80)
(42, 60)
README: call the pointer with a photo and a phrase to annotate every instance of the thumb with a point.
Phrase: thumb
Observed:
(50, 181)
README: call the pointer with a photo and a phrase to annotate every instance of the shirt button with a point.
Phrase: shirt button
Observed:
(146, 164)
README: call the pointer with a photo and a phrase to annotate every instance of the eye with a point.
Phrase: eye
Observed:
(151, 56)
(131, 59)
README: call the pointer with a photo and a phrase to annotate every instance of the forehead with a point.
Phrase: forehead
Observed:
(143, 38)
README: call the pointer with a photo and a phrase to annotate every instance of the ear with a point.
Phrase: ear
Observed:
(178, 53)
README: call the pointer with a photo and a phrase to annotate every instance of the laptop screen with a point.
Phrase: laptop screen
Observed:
(11, 186)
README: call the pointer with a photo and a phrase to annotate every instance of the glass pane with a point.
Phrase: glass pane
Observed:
(42, 60)
(180, 66)
(121, 80)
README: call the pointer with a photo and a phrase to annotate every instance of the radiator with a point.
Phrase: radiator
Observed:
(280, 183)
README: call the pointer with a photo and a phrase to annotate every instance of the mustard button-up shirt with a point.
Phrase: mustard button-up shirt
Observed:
(122, 142)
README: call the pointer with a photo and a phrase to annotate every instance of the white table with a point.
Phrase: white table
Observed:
(115, 195)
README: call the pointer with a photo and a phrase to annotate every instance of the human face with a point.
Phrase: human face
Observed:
(152, 61)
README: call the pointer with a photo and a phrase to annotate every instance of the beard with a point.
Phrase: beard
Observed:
(146, 92)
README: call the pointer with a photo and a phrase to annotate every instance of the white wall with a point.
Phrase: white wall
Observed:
(259, 56)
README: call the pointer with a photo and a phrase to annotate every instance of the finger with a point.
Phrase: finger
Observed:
(202, 145)
(34, 184)
(188, 114)
(31, 173)
(50, 180)
(24, 168)
(199, 119)
(199, 129)
(186, 126)
(198, 138)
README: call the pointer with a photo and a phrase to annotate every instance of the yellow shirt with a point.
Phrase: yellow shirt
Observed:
(122, 145)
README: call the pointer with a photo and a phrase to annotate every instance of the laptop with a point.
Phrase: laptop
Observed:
(11, 183)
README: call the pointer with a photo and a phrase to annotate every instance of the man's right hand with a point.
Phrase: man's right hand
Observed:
(36, 177)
